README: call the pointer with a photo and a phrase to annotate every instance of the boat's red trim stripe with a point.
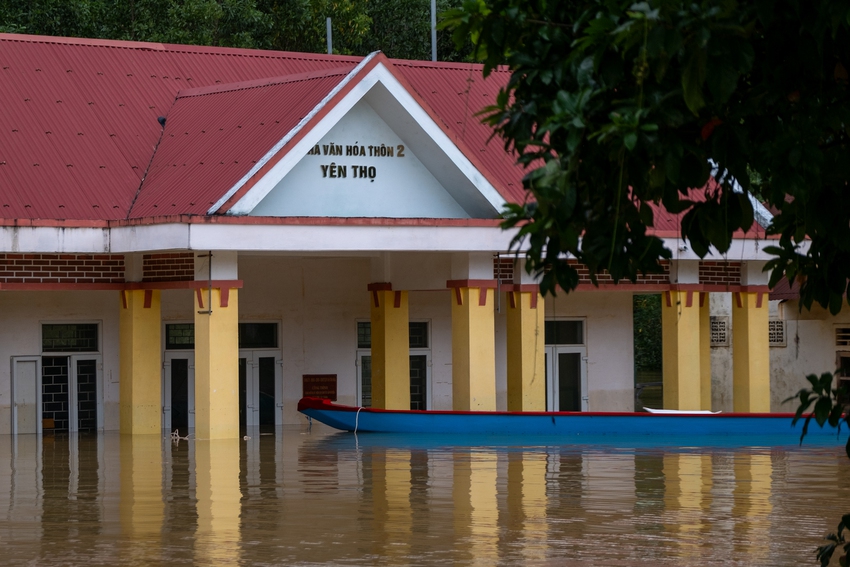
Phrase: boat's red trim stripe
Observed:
(321, 404)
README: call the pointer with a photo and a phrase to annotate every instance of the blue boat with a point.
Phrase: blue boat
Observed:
(563, 424)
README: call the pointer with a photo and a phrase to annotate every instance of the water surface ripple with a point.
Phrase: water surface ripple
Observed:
(316, 497)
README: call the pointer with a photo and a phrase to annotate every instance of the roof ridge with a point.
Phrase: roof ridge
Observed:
(175, 47)
(265, 82)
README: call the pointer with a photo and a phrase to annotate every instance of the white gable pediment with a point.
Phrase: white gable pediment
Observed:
(361, 168)
(375, 153)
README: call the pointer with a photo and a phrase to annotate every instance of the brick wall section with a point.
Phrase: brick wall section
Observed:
(605, 278)
(172, 267)
(61, 268)
(720, 273)
(503, 269)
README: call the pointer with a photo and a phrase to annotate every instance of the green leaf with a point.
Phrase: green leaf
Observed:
(693, 77)
(630, 140)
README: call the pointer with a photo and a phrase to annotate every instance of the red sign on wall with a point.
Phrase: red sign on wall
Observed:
(319, 386)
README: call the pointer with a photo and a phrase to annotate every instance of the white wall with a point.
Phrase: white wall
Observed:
(809, 349)
(610, 344)
(23, 312)
(401, 186)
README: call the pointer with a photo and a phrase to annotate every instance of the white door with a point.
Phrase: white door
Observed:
(178, 391)
(260, 388)
(364, 378)
(566, 378)
(26, 394)
(85, 392)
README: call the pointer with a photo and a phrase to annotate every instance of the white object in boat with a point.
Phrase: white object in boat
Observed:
(684, 412)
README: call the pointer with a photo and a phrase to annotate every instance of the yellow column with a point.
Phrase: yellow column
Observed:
(526, 352)
(750, 352)
(217, 364)
(390, 348)
(140, 387)
(680, 333)
(704, 352)
(473, 345)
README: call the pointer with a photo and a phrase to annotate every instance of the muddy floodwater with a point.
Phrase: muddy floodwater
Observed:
(303, 496)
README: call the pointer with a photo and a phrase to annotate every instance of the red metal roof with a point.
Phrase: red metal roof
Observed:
(214, 136)
(79, 128)
(79, 123)
(456, 92)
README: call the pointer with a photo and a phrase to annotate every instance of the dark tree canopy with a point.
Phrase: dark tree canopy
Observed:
(399, 28)
(614, 104)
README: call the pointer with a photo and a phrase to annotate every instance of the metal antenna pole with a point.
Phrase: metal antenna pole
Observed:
(433, 30)
(330, 38)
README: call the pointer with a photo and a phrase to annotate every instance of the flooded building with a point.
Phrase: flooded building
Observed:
(196, 237)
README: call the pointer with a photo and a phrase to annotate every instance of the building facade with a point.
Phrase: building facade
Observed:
(195, 238)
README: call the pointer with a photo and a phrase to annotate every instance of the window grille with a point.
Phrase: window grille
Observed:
(776, 332)
(69, 337)
(719, 331)
(842, 337)
(180, 336)
(418, 333)
(503, 269)
(563, 332)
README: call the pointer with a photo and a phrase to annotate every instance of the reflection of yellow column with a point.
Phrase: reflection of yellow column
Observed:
(217, 364)
(687, 483)
(475, 505)
(680, 331)
(473, 345)
(218, 501)
(391, 503)
(390, 347)
(750, 352)
(752, 507)
(141, 507)
(140, 362)
(526, 352)
(535, 529)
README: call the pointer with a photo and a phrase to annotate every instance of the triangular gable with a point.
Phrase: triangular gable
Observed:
(301, 177)
(213, 135)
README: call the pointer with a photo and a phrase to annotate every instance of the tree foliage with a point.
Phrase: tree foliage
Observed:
(647, 331)
(613, 105)
(823, 402)
(399, 28)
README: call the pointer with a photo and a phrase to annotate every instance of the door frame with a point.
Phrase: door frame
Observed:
(552, 385)
(73, 407)
(38, 409)
(426, 352)
(167, 357)
(252, 383)
(358, 363)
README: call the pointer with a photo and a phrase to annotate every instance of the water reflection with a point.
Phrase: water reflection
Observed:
(315, 497)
